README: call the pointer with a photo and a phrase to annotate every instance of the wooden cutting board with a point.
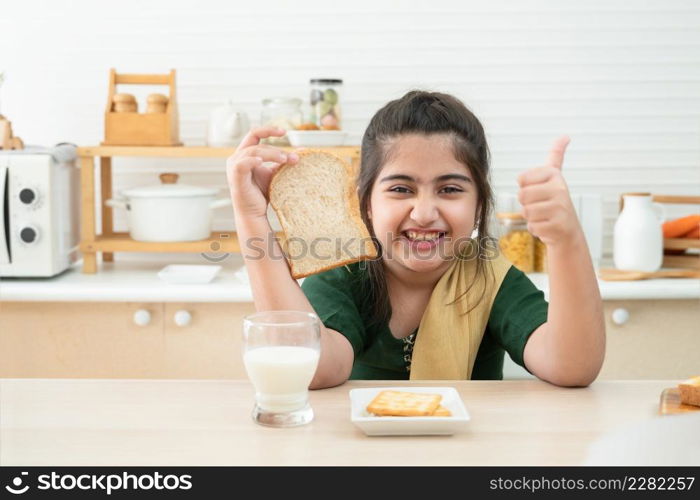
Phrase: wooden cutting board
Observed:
(670, 403)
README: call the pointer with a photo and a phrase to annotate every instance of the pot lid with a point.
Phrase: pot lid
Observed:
(168, 188)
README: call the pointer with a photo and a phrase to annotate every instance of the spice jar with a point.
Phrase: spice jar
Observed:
(157, 103)
(325, 103)
(516, 243)
(124, 103)
(283, 112)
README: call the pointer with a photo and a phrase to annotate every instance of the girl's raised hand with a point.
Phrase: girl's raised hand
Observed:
(248, 178)
(545, 199)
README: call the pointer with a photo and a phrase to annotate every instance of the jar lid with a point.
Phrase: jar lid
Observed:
(513, 216)
(326, 81)
(169, 189)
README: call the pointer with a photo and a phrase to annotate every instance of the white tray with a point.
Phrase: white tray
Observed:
(185, 274)
(408, 426)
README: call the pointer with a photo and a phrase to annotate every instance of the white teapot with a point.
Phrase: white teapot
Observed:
(227, 126)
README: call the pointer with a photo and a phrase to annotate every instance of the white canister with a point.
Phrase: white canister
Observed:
(638, 243)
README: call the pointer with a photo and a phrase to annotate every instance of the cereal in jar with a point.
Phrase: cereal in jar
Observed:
(516, 243)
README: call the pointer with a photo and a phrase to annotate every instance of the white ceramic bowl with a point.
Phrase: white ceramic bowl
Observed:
(307, 138)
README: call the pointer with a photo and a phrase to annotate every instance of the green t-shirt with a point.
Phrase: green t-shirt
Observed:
(340, 300)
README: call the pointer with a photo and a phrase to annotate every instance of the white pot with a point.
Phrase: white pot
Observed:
(169, 211)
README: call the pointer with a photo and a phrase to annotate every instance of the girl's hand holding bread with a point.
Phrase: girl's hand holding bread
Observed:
(248, 176)
(545, 199)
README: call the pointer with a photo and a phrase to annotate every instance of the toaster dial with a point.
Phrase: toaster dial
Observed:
(28, 196)
(29, 234)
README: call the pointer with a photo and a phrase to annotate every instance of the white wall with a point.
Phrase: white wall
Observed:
(622, 78)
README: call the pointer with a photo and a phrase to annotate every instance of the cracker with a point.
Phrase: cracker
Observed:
(404, 404)
(441, 411)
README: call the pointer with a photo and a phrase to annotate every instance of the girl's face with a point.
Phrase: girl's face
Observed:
(423, 204)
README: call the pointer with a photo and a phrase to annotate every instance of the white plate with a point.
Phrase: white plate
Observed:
(405, 426)
(304, 138)
(181, 274)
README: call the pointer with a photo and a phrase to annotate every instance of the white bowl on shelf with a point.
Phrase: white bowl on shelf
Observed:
(310, 138)
(188, 274)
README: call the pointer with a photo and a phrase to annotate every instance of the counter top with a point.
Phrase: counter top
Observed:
(137, 281)
(200, 422)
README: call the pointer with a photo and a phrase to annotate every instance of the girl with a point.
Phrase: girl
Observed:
(424, 310)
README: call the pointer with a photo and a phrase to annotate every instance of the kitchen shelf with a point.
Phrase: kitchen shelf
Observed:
(109, 241)
(219, 241)
(688, 260)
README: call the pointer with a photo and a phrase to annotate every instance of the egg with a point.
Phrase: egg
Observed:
(329, 121)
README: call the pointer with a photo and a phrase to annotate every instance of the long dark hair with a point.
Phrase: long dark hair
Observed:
(426, 113)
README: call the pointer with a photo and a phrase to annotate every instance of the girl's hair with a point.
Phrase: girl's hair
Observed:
(428, 113)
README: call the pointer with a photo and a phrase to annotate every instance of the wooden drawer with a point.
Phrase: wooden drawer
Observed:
(80, 340)
(102, 340)
(210, 345)
(659, 340)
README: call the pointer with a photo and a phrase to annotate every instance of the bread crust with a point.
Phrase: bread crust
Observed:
(690, 391)
(352, 203)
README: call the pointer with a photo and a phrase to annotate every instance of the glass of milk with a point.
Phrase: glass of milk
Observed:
(280, 352)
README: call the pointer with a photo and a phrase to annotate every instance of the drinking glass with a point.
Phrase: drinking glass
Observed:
(281, 350)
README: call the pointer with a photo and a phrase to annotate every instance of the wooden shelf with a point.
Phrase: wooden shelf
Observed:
(109, 242)
(220, 241)
(189, 151)
(681, 243)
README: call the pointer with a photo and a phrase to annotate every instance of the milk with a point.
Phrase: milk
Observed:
(281, 375)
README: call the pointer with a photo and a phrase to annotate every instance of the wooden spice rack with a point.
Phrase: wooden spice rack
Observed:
(690, 261)
(109, 242)
(142, 129)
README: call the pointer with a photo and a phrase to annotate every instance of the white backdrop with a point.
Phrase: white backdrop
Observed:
(622, 78)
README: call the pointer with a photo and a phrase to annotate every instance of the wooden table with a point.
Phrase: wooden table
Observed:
(199, 422)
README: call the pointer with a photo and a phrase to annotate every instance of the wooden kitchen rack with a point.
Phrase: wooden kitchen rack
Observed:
(110, 242)
(688, 261)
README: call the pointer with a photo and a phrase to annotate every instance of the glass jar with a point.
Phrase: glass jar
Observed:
(325, 103)
(283, 112)
(517, 244)
(540, 256)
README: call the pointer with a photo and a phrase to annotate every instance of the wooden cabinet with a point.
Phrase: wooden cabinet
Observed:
(103, 340)
(646, 339)
(209, 345)
(652, 339)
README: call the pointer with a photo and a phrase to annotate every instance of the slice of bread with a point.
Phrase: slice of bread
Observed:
(317, 205)
(690, 391)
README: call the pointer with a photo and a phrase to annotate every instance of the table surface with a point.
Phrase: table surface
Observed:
(204, 422)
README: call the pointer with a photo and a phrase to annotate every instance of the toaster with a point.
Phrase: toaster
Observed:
(39, 211)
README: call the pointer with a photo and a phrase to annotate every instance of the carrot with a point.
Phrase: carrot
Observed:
(677, 228)
(693, 233)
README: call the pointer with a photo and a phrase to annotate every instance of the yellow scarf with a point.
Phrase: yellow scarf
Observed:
(448, 339)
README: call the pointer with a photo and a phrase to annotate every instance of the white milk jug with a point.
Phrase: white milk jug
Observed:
(638, 237)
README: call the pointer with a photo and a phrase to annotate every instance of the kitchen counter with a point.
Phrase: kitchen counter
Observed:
(131, 281)
(198, 422)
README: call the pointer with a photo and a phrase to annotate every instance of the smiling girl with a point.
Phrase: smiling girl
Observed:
(434, 305)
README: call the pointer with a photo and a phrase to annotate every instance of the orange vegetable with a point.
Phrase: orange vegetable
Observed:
(679, 227)
(693, 233)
